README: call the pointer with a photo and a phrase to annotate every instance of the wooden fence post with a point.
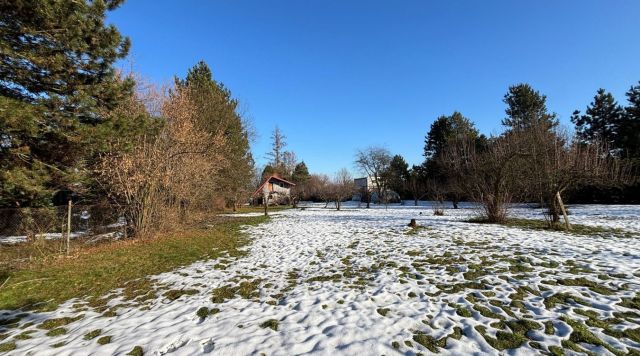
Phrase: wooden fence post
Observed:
(564, 212)
(68, 226)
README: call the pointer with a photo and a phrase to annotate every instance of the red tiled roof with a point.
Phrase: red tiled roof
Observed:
(268, 179)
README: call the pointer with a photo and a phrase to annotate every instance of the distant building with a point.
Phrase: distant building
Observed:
(276, 189)
(369, 184)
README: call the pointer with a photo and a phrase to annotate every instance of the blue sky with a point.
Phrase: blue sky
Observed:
(336, 76)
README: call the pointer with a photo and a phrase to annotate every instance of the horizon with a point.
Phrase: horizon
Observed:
(335, 80)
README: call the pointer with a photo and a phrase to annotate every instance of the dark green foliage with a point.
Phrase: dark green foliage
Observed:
(397, 175)
(300, 174)
(57, 91)
(629, 133)
(445, 129)
(601, 121)
(218, 114)
(527, 108)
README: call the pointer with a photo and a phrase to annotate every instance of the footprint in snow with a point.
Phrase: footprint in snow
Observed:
(175, 345)
(207, 345)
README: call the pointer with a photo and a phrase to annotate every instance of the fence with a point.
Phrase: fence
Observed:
(89, 223)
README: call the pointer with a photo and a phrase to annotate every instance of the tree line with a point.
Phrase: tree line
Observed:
(534, 159)
(74, 127)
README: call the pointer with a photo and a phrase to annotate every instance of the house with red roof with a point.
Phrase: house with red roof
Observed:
(276, 190)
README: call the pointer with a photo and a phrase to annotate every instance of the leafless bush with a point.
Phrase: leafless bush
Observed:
(162, 178)
(553, 162)
(490, 175)
(342, 187)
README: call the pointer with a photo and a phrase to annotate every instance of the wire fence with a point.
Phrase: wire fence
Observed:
(75, 222)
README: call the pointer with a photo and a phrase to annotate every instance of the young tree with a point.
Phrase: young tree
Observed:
(342, 187)
(601, 122)
(301, 178)
(319, 188)
(416, 183)
(58, 82)
(526, 107)
(491, 175)
(374, 162)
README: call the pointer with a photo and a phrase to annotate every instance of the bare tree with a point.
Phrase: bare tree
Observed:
(554, 162)
(491, 174)
(289, 161)
(278, 144)
(342, 187)
(374, 162)
(415, 185)
(318, 187)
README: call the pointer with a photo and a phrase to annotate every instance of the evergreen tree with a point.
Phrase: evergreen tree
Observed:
(526, 108)
(300, 174)
(398, 175)
(444, 129)
(601, 121)
(217, 113)
(57, 85)
(629, 134)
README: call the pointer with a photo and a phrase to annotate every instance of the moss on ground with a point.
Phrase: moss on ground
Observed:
(104, 340)
(271, 324)
(56, 332)
(136, 351)
(92, 334)
(174, 294)
(57, 322)
(583, 282)
(7, 346)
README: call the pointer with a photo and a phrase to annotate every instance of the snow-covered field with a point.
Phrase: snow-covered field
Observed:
(359, 281)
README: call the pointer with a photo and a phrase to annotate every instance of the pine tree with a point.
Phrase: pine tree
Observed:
(629, 133)
(300, 174)
(398, 174)
(217, 113)
(526, 108)
(444, 129)
(601, 121)
(57, 85)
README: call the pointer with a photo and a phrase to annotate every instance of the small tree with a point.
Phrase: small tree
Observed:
(416, 184)
(342, 187)
(374, 162)
(491, 175)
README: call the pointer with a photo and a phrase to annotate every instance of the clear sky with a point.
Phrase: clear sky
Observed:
(336, 76)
